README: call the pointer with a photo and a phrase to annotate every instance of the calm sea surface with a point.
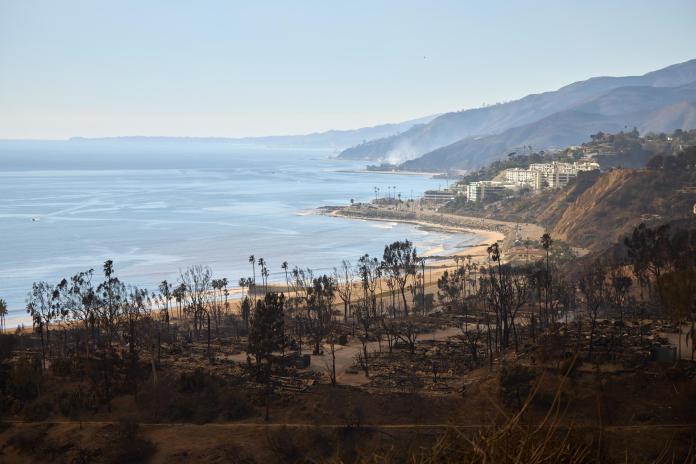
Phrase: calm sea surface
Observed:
(155, 208)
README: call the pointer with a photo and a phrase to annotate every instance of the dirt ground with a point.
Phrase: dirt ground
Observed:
(641, 413)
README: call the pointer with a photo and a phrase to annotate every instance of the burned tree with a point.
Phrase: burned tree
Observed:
(82, 305)
(450, 288)
(112, 295)
(370, 272)
(400, 261)
(197, 280)
(407, 332)
(505, 289)
(41, 308)
(344, 286)
(319, 309)
(266, 337)
(365, 318)
(593, 287)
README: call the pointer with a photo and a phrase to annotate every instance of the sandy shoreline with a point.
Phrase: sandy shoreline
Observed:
(477, 252)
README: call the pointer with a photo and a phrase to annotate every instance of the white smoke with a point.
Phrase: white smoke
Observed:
(404, 151)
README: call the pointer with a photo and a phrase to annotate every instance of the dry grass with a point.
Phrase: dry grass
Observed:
(551, 440)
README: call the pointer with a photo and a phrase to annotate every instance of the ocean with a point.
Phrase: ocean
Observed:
(155, 208)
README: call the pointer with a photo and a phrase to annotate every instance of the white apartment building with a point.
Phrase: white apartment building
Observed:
(477, 191)
(439, 196)
(520, 176)
(553, 175)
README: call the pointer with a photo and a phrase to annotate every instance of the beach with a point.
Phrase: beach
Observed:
(488, 231)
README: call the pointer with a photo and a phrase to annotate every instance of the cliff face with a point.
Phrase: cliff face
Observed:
(621, 199)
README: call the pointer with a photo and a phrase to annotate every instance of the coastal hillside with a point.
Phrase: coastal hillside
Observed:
(597, 209)
(650, 109)
(620, 200)
(472, 127)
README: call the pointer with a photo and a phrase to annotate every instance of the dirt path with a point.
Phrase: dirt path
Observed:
(303, 425)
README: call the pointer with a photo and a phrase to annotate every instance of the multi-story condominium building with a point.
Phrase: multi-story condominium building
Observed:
(477, 191)
(522, 176)
(439, 196)
(552, 175)
(537, 176)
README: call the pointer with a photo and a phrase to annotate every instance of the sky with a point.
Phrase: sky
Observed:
(230, 69)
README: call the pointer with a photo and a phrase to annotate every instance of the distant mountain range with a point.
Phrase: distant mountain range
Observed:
(658, 101)
(333, 139)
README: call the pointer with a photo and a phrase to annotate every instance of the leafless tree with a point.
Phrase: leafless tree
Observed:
(319, 308)
(302, 285)
(165, 298)
(400, 261)
(198, 282)
(40, 307)
(112, 295)
(407, 332)
(365, 318)
(83, 304)
(344, 285)
(506, 289)
(593, 286)
(331, 339)
(472, 336)
(370, 272)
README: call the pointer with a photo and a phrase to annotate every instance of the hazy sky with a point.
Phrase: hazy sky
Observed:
(224, 68)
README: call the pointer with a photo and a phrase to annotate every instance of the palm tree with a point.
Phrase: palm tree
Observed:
(284, 266)
(264, 274)
(546, 243)
(252, 260)
(243, 282)
(179, 293)
(166, 296)
(3, 313)
(223, 283)
(217, 291)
